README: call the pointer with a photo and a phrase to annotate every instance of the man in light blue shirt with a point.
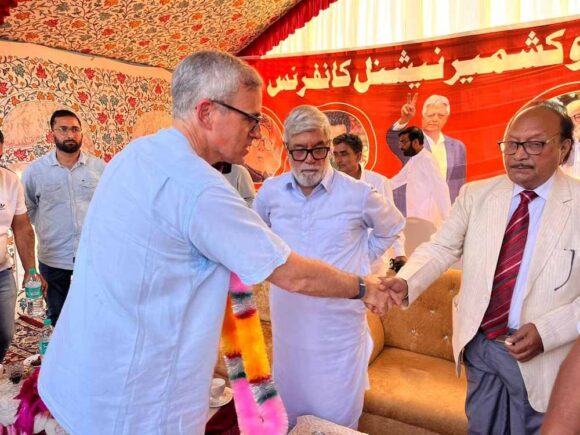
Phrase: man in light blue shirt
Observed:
(322, 346)
(58, 188)
(137, 340)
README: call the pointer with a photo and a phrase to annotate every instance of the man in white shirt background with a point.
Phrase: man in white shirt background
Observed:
(348, 152)
(449, 152)
(12, 215)
(427, 194)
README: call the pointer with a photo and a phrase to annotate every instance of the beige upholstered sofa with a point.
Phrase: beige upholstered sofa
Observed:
(414, 389)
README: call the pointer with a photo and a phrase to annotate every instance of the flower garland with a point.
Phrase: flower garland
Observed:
(31, 406)
(259, 407)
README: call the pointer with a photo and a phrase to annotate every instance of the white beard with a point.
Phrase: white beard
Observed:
(311, 179)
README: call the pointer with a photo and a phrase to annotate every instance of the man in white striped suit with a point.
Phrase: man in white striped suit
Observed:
(515, 318)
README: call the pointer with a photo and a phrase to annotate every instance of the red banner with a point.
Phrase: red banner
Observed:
(486, 77)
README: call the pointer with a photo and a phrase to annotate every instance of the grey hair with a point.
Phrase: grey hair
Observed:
(436, 99)
(303, 119)
(209, 74)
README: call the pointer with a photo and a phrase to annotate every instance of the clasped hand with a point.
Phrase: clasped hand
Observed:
(383, 293)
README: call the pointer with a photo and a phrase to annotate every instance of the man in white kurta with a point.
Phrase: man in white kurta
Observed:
(427, 191)
(322, 346)
(397, 251)
(347, 152)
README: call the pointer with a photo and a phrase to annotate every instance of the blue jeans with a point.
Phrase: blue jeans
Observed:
(7, 306)
(58, 281)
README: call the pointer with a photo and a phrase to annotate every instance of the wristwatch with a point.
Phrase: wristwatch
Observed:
(362, 289)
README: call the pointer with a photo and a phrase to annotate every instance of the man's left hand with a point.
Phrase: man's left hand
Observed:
(43, 282)
(525, 343)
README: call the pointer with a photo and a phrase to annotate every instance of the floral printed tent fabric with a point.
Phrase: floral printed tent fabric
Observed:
(151, 32)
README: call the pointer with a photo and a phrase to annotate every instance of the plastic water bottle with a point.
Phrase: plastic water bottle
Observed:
(33, 291)
(44, 336)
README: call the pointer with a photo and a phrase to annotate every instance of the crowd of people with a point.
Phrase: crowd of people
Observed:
(175, 212)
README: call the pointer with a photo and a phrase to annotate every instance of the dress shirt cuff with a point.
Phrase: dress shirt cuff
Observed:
(397, 126)
(554, 333)
(399, 250)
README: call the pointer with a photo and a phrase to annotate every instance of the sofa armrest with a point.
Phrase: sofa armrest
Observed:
(377, 334)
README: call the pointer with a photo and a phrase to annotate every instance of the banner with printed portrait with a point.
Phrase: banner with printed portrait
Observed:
(486, 77)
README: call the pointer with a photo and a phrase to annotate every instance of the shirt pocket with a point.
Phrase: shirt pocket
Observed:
(86, 189)
(562, 265)
(335, 233)
(52, 193)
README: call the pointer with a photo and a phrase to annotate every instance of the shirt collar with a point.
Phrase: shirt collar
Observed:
(440, 139)
(542, 191)
(54, 161)
(363, 175)
(423, 150)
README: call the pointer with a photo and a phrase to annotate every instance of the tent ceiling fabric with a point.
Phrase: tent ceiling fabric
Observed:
(151, 32)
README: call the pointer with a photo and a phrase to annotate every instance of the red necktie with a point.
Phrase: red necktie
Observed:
(508, 266)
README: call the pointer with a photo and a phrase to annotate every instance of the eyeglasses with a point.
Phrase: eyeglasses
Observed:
(256, 119)
(576, 117)
(65, 130)
(318, 153)
(531, 147)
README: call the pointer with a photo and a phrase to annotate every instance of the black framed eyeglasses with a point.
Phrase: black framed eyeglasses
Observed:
(301, 154)
(65, 130)
(531, 147)
(256, 119)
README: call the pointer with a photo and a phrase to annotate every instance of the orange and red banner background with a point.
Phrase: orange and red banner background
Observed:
(486, 77)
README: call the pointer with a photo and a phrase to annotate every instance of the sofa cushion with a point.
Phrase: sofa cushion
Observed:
(262, 295)
(426, 327)
(417, 389)
(377, 334)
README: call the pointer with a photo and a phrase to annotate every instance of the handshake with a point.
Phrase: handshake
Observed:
(383, 293)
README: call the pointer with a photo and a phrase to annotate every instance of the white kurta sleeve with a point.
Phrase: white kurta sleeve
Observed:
(401, 178)
(439, 190)
(385, 221)
(387, 192)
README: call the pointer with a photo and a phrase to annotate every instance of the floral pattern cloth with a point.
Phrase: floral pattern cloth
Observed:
(114, 107)
(151, 32)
